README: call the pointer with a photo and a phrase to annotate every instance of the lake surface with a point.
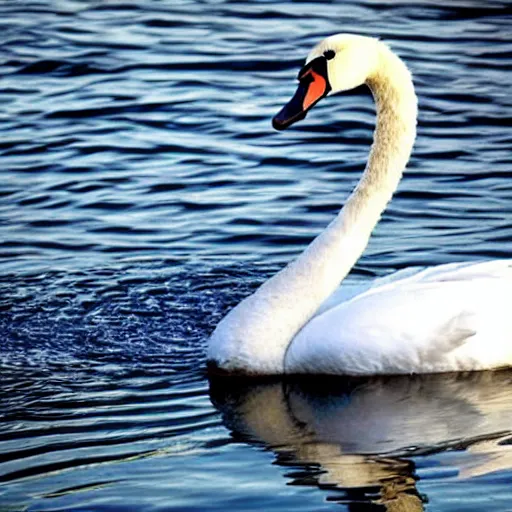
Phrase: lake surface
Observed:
(144, 193)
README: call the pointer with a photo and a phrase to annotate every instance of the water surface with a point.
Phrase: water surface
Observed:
(144, 193)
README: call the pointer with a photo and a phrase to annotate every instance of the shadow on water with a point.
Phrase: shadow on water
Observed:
(361, 440)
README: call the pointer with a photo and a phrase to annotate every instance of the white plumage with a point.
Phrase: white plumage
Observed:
(447, 318)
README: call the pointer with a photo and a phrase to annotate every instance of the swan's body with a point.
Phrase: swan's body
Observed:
(447, 318)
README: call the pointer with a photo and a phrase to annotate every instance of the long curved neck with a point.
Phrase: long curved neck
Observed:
(395, 132)
(254, 336)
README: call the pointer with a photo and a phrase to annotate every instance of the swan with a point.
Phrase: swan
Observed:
(451, 317)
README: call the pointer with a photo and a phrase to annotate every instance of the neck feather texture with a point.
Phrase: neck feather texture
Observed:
(254, 336)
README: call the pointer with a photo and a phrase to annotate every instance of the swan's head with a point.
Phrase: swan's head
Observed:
(338, 63)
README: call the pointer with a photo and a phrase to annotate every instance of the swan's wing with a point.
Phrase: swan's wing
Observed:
(450, 318)
(464, 271)
(440, 273)
(348, 290)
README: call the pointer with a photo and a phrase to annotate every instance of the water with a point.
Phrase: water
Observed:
(144, 193)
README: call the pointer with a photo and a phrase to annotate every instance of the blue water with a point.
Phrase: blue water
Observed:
(144, 193)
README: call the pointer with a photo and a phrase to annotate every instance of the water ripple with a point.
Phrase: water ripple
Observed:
(145, 193)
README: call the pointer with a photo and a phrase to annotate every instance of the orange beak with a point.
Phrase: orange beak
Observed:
(313, 86)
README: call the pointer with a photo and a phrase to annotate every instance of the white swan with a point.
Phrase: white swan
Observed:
(447, 318)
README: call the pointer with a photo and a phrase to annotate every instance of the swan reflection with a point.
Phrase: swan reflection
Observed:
(356, 437)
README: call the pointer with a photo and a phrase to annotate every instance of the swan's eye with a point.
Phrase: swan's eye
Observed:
(329, 54)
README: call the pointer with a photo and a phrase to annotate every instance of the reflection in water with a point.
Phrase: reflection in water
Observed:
(356, 437)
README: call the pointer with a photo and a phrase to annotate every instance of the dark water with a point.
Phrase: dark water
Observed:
(144, 192)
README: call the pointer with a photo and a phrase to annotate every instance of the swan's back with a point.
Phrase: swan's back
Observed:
(452, 317)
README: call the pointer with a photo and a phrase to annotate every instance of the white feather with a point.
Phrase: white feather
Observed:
(439, 319)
